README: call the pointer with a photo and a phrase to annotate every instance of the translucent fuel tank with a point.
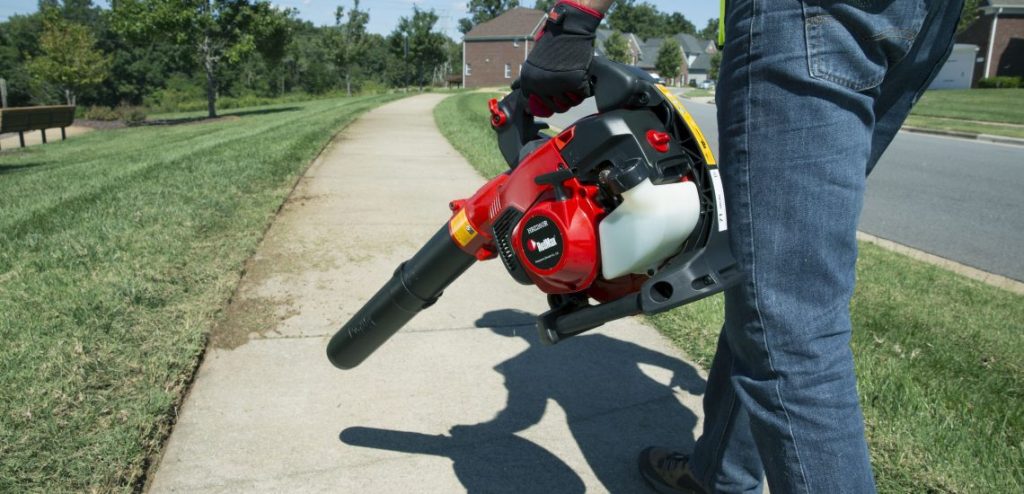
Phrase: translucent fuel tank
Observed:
(648, 227)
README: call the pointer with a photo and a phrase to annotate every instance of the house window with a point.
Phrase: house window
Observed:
(469, 70)
(508, 71)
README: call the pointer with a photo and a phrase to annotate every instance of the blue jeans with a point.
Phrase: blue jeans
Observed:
(811, 94)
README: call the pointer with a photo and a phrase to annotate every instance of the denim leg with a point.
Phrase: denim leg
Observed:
(796, 109)
(730, 461)
(906, 81)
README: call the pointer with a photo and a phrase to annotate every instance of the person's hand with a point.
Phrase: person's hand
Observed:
(554, 77)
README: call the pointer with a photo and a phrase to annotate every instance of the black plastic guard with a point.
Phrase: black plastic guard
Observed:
(692, 275)
(518, 129)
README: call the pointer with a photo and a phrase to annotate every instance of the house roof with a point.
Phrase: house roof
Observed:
(690, 43)
(701, 64)
(515, 23)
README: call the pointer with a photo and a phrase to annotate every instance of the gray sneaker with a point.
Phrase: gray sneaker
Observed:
(667, 472)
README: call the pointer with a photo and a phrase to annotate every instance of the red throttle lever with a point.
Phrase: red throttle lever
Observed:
(498, 117)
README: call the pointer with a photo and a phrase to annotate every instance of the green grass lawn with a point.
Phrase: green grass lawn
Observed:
(118, 249)
(964, 110)
(951, 124)
(692, 92)
(940, 357)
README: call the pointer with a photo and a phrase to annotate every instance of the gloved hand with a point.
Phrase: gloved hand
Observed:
(554, 77)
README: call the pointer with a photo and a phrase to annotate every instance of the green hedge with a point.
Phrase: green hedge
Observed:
(1000, 82)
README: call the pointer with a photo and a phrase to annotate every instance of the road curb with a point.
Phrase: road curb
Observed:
(966, 135)
(993, 279)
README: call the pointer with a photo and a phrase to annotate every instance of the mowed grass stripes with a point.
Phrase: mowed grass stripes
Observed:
(117, 251)
(940, 357)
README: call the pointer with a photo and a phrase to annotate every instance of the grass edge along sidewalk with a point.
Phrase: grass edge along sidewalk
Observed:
(973, 112)
(939, 356)
(118, 250)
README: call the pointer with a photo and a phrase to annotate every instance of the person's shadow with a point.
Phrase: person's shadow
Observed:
(613, 410)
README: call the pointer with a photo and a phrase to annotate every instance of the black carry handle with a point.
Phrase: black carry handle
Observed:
(613, 85)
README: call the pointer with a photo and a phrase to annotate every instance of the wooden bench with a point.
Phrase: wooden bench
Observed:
(38, 118)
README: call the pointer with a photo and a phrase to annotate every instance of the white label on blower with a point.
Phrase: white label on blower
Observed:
(723, 223)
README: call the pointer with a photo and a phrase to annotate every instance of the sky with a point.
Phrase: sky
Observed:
(384, 14)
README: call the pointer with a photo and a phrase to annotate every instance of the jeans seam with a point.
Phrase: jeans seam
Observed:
(753, 256)
(718, 451)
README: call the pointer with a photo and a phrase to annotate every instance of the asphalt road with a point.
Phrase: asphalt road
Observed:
(955, 198)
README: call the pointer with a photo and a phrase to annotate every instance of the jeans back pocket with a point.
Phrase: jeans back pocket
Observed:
(853, 43)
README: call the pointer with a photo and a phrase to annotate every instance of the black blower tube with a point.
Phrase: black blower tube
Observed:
(416, 285)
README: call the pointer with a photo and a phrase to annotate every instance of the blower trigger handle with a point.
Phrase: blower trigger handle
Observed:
(556, 179)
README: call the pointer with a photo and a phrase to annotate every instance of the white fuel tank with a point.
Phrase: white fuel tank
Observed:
(649, 226)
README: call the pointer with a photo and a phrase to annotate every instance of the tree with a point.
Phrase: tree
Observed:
(418, 46)
(716, 64)
(616, 48)
(219, 32)
(676, 23)
(19, 41)
(968, 15)
(350, 41)
(69, 59)
(670, 60)
(483, 11)
(646, 21)
(710, 31)
(544, 5)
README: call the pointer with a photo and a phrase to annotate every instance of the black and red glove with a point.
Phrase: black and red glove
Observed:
(554, 77)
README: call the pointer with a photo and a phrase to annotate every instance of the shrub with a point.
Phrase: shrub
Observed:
(372, 87)
(1000, 82)
(181, 94)
(128, 114)
(131, 115)
(100, 113)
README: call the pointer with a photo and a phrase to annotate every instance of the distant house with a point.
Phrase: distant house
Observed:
(696, 57)
(493, 52)
(999, 34)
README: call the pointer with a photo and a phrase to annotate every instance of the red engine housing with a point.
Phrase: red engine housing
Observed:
(556, 240)
(555, 237)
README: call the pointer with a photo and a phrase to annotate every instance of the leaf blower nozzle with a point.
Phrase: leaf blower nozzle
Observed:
(416, 285)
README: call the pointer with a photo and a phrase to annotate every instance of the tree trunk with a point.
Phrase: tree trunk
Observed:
(348, 84)
(69, 97)
(209, 64)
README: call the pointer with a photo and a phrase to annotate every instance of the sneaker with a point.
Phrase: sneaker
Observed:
(667, 472)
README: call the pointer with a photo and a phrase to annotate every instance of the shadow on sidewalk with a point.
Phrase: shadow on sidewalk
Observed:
(613, 410)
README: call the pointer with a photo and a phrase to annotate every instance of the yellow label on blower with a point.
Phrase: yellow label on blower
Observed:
(705, 149)
(461, 230)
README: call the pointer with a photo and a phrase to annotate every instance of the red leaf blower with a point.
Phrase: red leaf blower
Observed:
(624, 208)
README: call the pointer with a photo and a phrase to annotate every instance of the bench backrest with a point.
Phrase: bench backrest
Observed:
(35, 118)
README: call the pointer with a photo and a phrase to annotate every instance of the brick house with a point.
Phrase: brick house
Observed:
(493, 52)
(999, 34)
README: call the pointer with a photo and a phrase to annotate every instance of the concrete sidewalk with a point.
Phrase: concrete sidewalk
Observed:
(463, 399)
(34, 137)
